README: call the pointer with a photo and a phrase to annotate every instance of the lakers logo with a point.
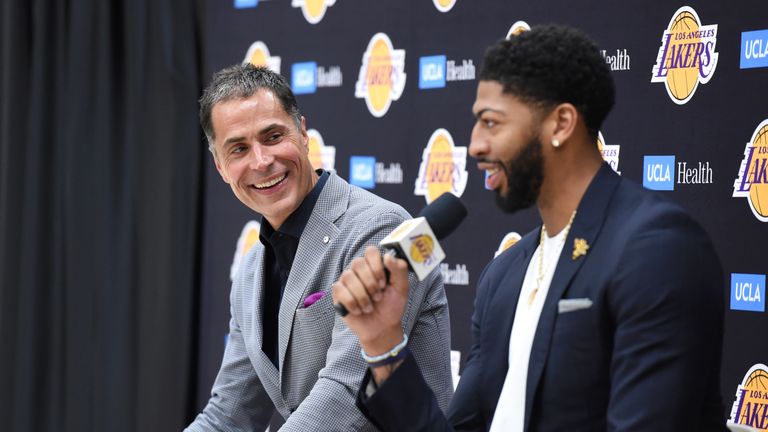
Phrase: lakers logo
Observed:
(751, 405)
(752, 182)
(422, 246)
(313, 10)
(382, 75)
(444, 5)
(258, 55)
(248, 238)
(687, 55)
(320, 155)
(443, 167)
(517, 28)
(610, 152)
(507, 242)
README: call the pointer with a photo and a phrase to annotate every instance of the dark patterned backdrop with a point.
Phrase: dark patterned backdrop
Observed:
(688, 127)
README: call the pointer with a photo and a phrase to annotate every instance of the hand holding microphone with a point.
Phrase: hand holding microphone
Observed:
(373, 303)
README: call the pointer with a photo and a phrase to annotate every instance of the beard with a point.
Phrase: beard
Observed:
(525, 174)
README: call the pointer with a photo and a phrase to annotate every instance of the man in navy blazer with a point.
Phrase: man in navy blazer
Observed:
(607, 317)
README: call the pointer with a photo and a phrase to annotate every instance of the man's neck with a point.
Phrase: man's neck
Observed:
(564, 185)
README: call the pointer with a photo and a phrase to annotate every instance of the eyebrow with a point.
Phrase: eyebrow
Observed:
(482, 111)
(263, 131)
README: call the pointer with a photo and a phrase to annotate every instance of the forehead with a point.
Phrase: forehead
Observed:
(491, 96)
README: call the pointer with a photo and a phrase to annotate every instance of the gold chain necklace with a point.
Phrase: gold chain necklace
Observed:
(540, 275)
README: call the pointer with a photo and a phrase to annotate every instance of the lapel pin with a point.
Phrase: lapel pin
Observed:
(580, 248)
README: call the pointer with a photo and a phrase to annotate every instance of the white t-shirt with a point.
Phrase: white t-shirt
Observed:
(510, 410)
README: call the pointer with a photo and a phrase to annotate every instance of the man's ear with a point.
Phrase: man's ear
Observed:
(304, 135)
(562, 121)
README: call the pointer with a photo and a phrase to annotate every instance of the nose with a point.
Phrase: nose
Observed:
(478, 146)
(259, 158)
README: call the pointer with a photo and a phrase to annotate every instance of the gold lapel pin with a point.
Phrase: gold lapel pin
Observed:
(580, 248)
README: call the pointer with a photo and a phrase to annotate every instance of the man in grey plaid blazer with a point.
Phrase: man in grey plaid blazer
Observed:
(309, 370)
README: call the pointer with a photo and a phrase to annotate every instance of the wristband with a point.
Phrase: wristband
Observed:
(393, 359)
(393, 355)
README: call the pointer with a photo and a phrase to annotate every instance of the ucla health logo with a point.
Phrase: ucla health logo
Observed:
(382, 75)
(362, 171)
(313, 10)
(748, 292)
(306, 77)
(610, 152)
(754, 49)
(435, 71)
(658, 172)
(617, 62)
(751, 405)
(432, 72)
(752, 182)
(258, 55)
(367, 172)
(687, 55)
(249, 236)
(517, 28)
(320, 155)
(443, 167)
(444, 5)
(245, 4)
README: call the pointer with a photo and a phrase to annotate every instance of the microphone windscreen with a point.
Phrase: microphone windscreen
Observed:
(444, 214)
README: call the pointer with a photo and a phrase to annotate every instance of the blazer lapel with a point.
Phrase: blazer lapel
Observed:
(318, 234)
(586, 226)
(504, 300)
(501, 312)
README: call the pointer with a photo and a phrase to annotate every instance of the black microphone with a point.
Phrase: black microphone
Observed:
(444, 214)
(416, 240)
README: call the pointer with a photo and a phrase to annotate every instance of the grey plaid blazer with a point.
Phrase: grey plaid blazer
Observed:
(320, 364)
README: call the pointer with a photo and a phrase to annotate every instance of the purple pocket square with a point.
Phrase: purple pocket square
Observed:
(312, 298)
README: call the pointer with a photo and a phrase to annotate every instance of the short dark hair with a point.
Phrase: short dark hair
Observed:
(242, 81)
(553, 64)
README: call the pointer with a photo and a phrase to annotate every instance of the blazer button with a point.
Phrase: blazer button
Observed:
(326, 239)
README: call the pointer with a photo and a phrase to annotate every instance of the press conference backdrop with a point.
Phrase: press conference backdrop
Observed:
(387, 88)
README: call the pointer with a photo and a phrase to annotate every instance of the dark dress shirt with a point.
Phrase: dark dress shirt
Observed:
(279, 250)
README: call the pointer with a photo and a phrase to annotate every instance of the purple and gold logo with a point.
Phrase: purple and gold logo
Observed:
(313, 10)
(507, 242)
(444, 5)
(258, 55)
(443, 167)
(249, 236)
(751, 405)
(687, 55)
(517, 28)
(752, 182)
(382, 75)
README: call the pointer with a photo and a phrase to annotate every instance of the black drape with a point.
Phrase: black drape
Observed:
(100, 165)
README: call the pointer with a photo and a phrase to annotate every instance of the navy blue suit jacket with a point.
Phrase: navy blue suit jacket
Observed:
(644, 357)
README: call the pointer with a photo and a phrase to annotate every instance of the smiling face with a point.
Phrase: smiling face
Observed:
(506, 144)
(262, 155)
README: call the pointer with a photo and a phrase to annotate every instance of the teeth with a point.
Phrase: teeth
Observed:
(269, 183)
(491, 171)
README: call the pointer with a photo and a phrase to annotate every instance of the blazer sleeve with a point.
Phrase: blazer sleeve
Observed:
(330, 404)
(238, 401)
(666, 303)
(405, 402)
